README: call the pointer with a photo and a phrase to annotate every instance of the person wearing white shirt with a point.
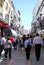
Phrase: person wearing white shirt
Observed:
(3, 41)
(37, 42)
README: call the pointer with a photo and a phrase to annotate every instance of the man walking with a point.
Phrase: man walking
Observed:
(37, 41)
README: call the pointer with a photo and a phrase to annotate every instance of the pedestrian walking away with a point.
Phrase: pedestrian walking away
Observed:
(27, 49)
(38, 43)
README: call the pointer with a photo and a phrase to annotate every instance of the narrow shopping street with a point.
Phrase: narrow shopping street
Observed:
(21, 25)
(18, 58)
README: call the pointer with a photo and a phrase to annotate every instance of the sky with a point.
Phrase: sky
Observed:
(26, 9)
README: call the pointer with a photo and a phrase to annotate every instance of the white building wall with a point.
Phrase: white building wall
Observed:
(8, 10)
(36, 7)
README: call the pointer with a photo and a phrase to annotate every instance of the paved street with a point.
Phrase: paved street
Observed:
(18, 58)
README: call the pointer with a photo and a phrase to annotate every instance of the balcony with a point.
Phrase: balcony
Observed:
(42, 24)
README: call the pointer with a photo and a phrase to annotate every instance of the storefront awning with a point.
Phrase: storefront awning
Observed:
(3, 23)
(41, 31)
(14, 33)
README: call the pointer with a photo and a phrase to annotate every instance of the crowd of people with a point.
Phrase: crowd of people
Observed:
(6, 44)
(26, 42)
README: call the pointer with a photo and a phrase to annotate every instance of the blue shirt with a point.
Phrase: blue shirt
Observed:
(26, 43)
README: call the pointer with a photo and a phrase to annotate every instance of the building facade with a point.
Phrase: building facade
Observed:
(38, 17)
(10, 15)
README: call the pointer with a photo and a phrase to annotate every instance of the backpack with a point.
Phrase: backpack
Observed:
(28, 45)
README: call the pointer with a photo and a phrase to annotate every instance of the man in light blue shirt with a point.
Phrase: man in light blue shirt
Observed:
(27, 48)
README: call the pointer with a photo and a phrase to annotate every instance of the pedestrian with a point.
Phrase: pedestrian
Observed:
(0, 46)
(38, 43)
(21, 43)
(8, 47)
(2, 43)
(17, 43)
(27, 48)
(14, 44)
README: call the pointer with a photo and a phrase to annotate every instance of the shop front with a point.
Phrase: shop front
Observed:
(3, 25)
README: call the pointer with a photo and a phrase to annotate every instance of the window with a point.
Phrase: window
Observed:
(0, 5)
(19, 12)
(1, 14)
(9, 9)
(43, 3)
(6, 5)
(7, 17)
(41, 8)
(19, 19)
(14, 16)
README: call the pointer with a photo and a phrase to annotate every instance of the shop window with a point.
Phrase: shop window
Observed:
(7, 32)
